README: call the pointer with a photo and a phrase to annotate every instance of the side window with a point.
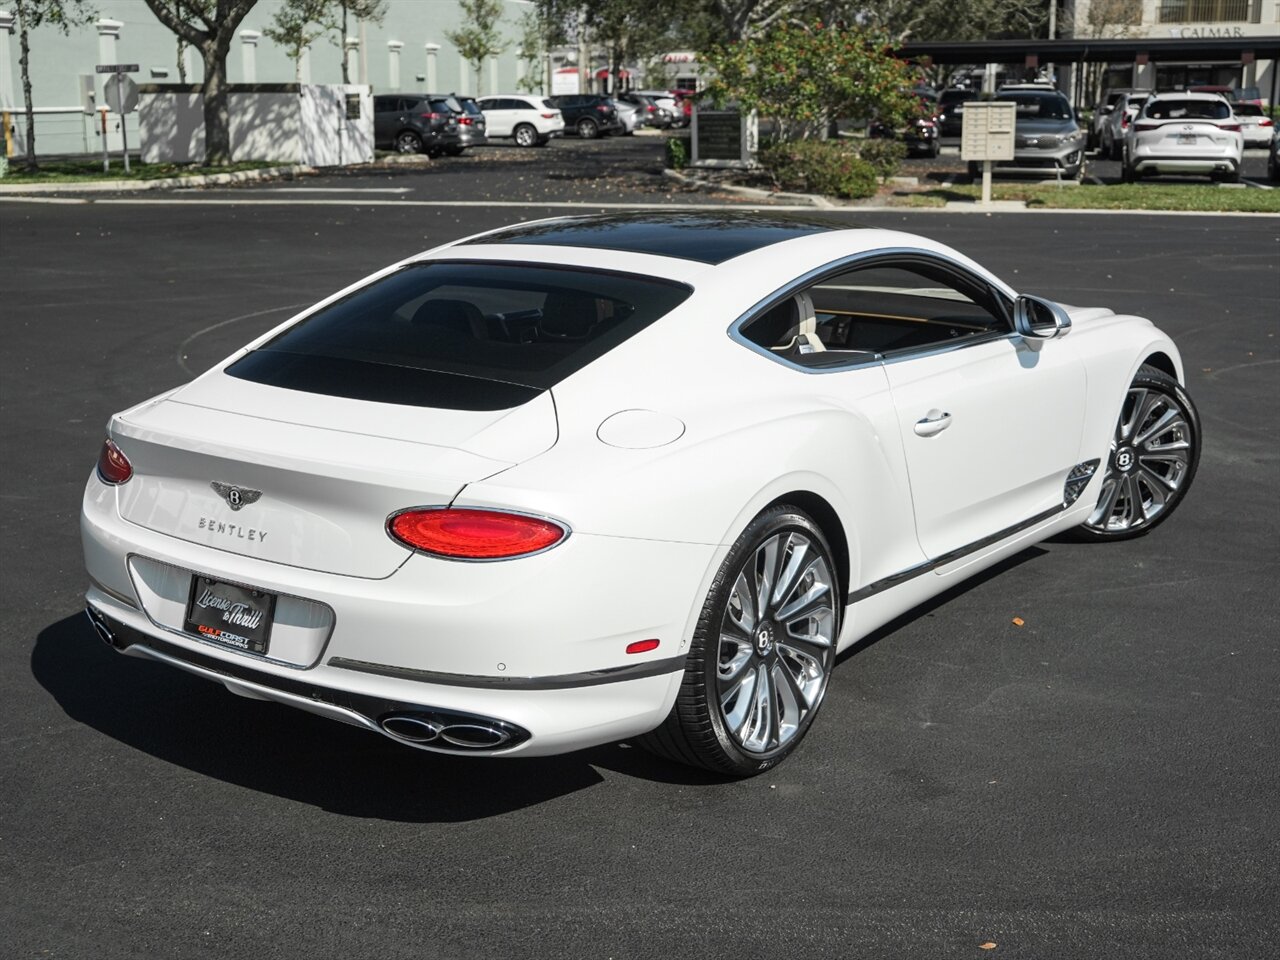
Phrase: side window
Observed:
(881, 309)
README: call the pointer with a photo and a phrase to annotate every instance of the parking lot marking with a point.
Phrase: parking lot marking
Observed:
(1255, 183)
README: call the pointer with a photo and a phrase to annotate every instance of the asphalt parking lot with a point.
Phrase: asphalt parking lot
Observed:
(1099, 781)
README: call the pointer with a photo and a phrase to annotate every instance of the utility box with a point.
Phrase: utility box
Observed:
(988, 129)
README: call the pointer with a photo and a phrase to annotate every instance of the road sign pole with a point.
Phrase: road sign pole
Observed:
(106, 157)
(124, 121)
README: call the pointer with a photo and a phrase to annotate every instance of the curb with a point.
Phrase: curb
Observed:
(755, 193)
(168, 183)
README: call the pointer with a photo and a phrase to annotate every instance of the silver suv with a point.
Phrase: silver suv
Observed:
(1048, 140)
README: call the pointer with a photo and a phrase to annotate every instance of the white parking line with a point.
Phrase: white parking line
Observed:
(1255, 183)
(334, 189)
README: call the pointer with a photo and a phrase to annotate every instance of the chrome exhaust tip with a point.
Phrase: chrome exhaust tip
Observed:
(100, 627)
(454, 732)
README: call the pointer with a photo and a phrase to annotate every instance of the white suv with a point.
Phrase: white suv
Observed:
(529, 119)
(1184, 133)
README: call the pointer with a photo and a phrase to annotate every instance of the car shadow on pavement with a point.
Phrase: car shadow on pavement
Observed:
(198, 725)
(942, 599)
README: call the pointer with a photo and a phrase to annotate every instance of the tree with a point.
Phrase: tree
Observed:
(209, 26)
(337, 13)
(532, 51)
(480, 38)
(62, 14)
(629, 30)
(809, 75)
(296, 24)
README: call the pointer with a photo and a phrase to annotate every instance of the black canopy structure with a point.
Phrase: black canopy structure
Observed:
(1083, 50)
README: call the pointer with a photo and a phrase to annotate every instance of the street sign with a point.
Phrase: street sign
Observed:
(117, 68)
(122, 94)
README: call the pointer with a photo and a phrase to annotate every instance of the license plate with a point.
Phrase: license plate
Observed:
(230, 614)
(1186, 139)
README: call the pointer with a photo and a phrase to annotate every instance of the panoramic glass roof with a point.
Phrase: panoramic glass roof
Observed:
(705, 237)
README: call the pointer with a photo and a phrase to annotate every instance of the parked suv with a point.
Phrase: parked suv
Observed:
(414, 123)
(530, 120)
(589, 115)
(1184, 133)
(471, 124)
(1116, 126)
(1047, 138)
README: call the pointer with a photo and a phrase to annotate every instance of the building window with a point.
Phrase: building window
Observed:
(1204, 11)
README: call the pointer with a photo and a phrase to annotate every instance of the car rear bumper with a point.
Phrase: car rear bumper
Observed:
(1174, 164)
(520, 645)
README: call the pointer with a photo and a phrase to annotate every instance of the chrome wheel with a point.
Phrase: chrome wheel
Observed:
(408, 142)
(526, 136)
(777, 640)
(1153, 458)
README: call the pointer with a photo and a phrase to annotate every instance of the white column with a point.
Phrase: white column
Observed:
(393, 64)
(353, 59)
(493, 76)
(364, 53)
(304, 65)
(108, 43)
(7, 99)
(432, 49)
(194, 64)
(249, 55)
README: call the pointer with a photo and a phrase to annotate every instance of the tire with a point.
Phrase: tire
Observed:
(587, 128)
(1117, 150)
(752, 686)
(1127, 173)
(1231, 176)
(408, 142)
(1159, 430)
(935, 151)
(525, 135)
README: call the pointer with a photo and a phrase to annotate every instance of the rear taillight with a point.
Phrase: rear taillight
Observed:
(1124, 121)
(602, 108)
(1265, 122)
(464, 534)
(113, 465)
(429, 116)
(1146, 126)
(465, 121)
(547, 116)
(1233, 127)
(650, 108)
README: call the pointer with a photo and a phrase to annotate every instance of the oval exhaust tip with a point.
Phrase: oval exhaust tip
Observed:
(413, 729)
(474, 736)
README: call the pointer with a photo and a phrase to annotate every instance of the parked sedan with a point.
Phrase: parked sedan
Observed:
(530, 120)
(658, 116)
(1184, 133)
(1048, 140)
(1256, 125)
(629, 115)
(638, 476)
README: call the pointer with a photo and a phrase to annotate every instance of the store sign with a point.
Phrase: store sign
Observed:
(724, 138)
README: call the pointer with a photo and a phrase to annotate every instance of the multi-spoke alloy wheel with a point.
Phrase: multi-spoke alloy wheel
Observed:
(1153, 458)
(764, 648)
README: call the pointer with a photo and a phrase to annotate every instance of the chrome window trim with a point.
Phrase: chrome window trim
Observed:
(813, 276)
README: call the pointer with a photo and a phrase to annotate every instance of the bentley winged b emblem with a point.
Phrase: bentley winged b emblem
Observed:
(236, 497)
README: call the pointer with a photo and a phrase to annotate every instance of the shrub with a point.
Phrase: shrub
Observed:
(677, 152)
(820, 166)
(884, 155)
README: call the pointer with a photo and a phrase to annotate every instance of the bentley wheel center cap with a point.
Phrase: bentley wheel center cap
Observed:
(1125, 459)
(764, 639)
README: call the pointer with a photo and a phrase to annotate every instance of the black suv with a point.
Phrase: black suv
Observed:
(589, 115)
(416, 123)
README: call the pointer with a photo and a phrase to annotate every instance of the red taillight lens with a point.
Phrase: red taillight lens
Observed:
(1233, 127)
(465, 121)
(1265, 122)
(642, 646)
(1146, 126)
(113, 465)
(430, 116)
(474, 534)
(1124, 121)
(602, 108)
(548, 116)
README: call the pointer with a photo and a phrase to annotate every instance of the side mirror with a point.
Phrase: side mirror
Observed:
(1039, 319)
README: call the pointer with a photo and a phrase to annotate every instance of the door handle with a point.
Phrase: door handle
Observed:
(934, 422)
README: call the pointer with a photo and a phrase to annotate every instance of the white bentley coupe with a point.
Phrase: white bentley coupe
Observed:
(611, 477)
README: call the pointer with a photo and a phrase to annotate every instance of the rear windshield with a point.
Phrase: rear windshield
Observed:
(462, 336)
(1038, 106)
(1188, 110)
(549, 105)
(471, 107)
(1248, 110)
(446, 103)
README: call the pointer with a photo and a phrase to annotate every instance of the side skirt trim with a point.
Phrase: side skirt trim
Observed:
(902, 576)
